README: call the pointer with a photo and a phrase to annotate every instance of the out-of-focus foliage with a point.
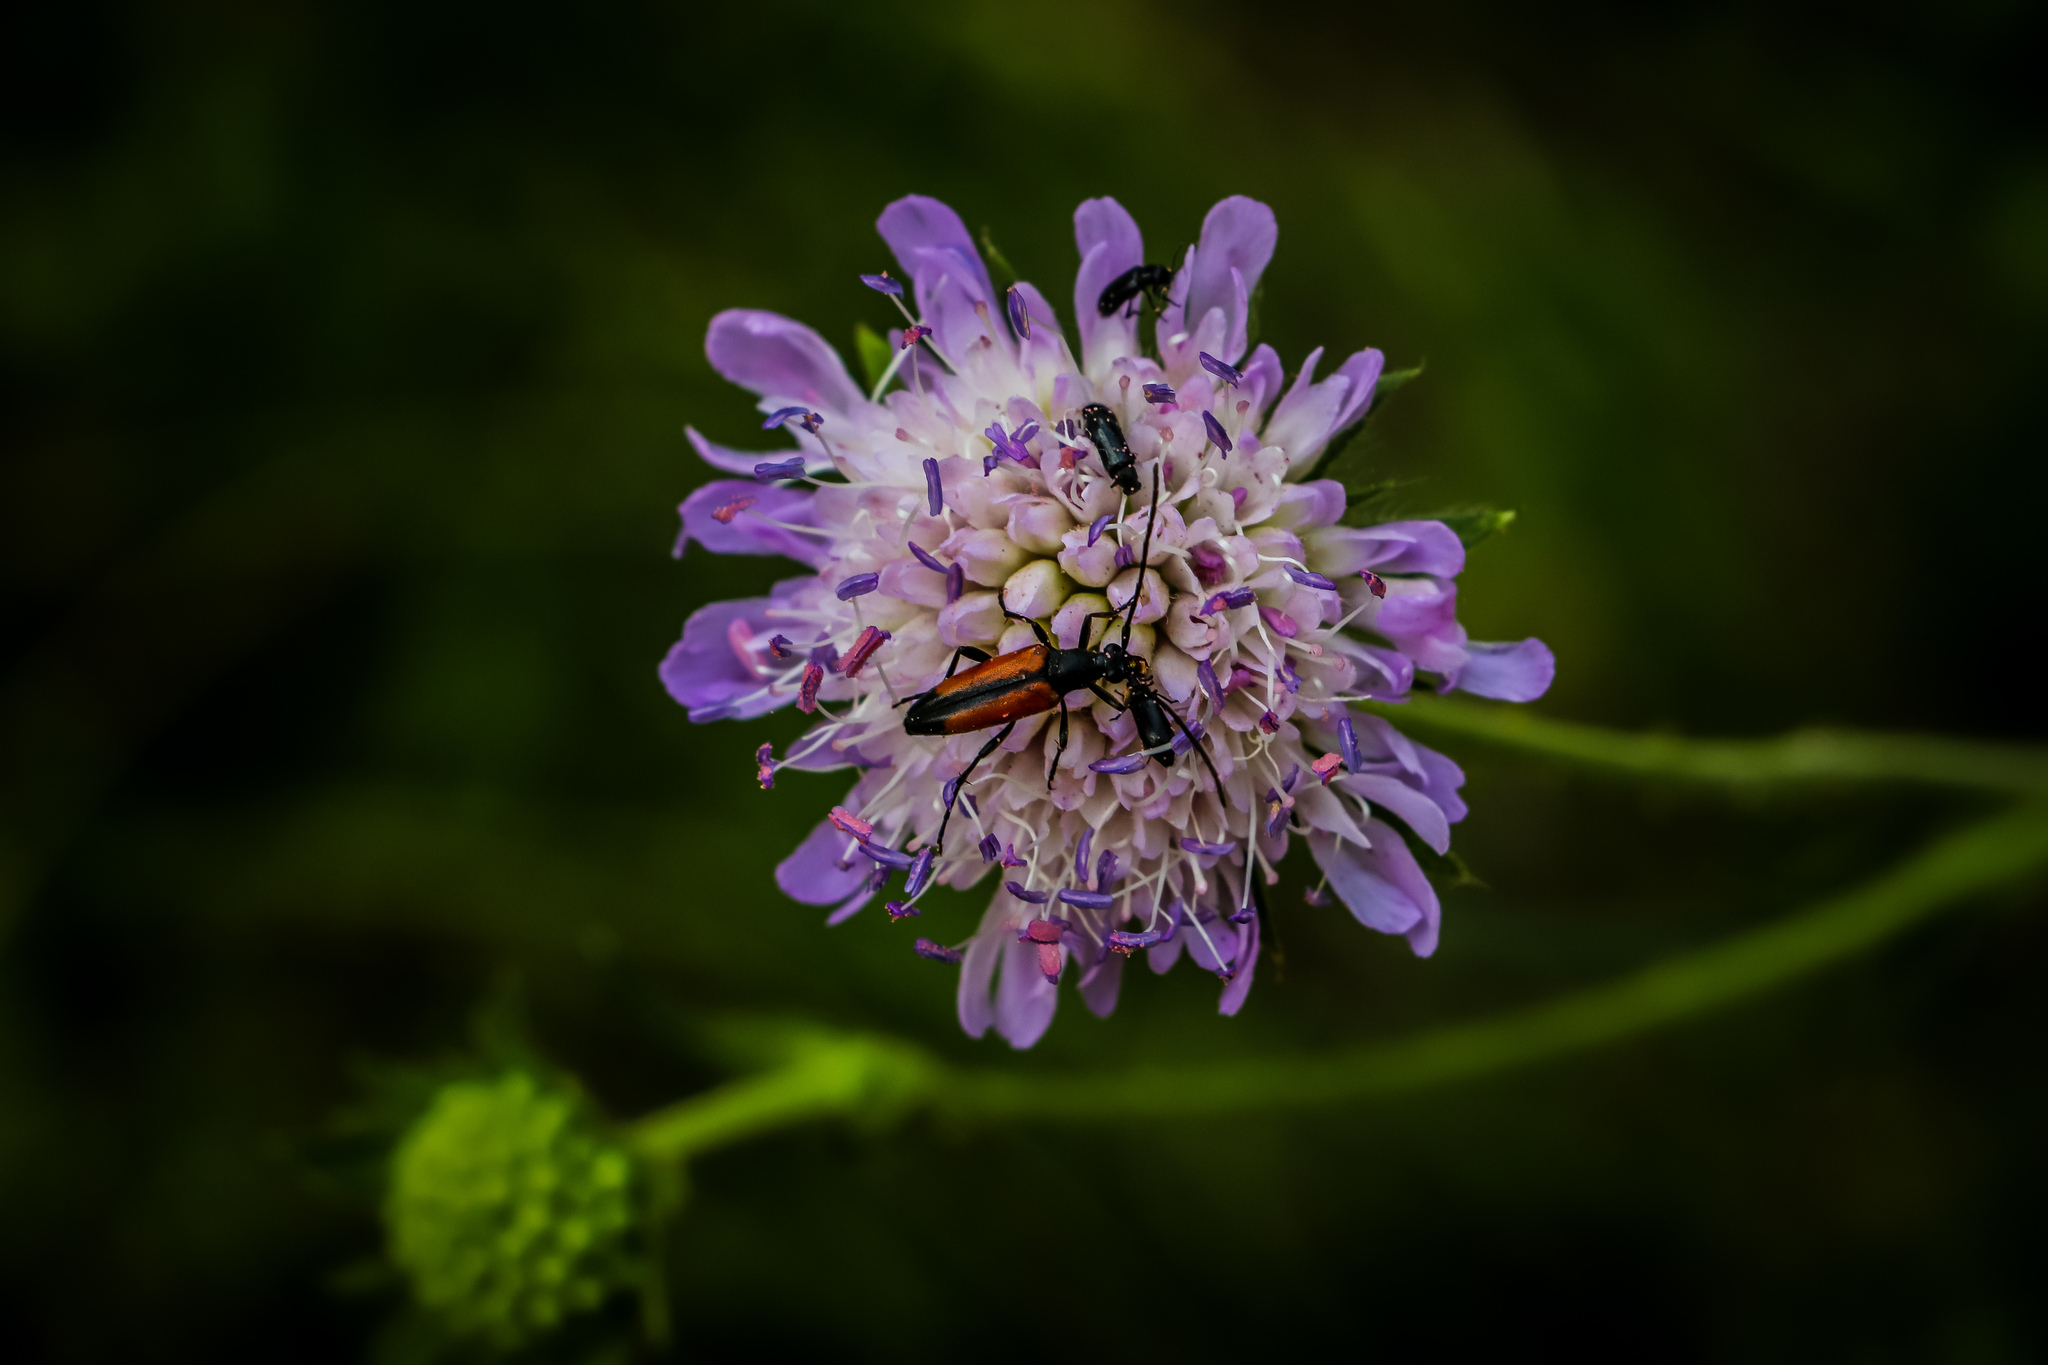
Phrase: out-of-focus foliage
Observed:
(345, 352)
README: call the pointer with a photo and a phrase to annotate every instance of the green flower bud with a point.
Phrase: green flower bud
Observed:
(507, 1210)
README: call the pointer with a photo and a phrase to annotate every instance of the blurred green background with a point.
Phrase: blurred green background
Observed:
(346, 352)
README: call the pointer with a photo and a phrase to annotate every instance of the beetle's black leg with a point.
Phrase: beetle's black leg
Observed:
(980, 656)
(1061, 751)
(1036, 628)
(1096, 688)
(960, 782)
(1088, 626)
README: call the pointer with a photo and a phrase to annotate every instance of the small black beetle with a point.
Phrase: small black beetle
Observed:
(1099, 424)
(1150, 280)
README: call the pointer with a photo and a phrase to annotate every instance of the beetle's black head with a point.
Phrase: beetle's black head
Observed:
(1117, 663)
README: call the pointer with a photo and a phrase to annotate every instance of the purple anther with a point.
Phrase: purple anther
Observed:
(1010, 858)
(1206, 673)
(1106, 871)
(926, 558)
(1269, 722)
(1374, 584)
(934, 500)
(989, 463)
(1289, 679)
(1278, 807)
(1024, 433)
(901, 910)
(924, 947)
(1326, 767)
(1125, 556)
(920, 871)
(1244, 914)
(956, 583)
(725, 512)
(1124, 942)
(1217, 850)
(1238, 498)
(1181, 741)
(811, 421)
(947, 791)
(991, 848)
(1095, 527)
(1316, 895)
(826, 656)
(914, 334)
(1216, 432)
(1239, 676)
(1031, 897)
(1209, 564)
(846, 822)
(1042, 931)
(1128, 763)
(1081, 848)
(870, 640)
(791, 468)
(1088, 900)
(781, 415)
(807, 690)
(857, 586)
(764, 765)
(887, 857)
(1308, 578)
(1293, 776)
(1281, 622)
(1228, 374)
(882, 284)
(1228, 600)
(779, 647)
(1158, 393)
(1347, 743)
(1020, 320)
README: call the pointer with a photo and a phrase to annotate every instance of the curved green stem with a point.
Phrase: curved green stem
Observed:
(1803, 756)
(866, 1077)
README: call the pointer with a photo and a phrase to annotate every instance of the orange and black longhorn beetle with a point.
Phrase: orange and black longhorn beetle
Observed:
(1033, 680)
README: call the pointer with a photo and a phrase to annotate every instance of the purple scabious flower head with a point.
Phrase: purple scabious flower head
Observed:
(927, 523)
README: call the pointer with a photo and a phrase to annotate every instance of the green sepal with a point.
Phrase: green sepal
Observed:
(1001, 273)
(873, 349)
(1387, 383)
(1390, 380)
(1474, 524)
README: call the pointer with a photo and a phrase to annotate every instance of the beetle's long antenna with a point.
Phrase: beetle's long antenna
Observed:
(1144, 560)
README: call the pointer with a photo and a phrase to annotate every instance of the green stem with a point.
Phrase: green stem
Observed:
(870, 1077)
(1803, 756)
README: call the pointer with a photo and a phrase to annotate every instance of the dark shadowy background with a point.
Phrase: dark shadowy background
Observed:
(344, 358)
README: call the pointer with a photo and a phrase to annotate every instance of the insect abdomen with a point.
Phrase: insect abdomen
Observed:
(1005, 688)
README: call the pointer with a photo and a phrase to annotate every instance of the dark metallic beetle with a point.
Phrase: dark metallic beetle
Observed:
(1033, 680)
(1150, 280)
(1100, 426)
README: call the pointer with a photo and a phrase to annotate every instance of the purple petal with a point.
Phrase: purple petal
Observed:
(1099, 987)
(1238, 234)
(1403, 547)
(781, 360)
(734, 461)
(1243, 965)
(1414, 808)
(1309, 506)
(1025, 1000)
(1508, 672)
(917, 223)
(813, 873)
(1382, 886)
(707, 676)
(750, 531)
